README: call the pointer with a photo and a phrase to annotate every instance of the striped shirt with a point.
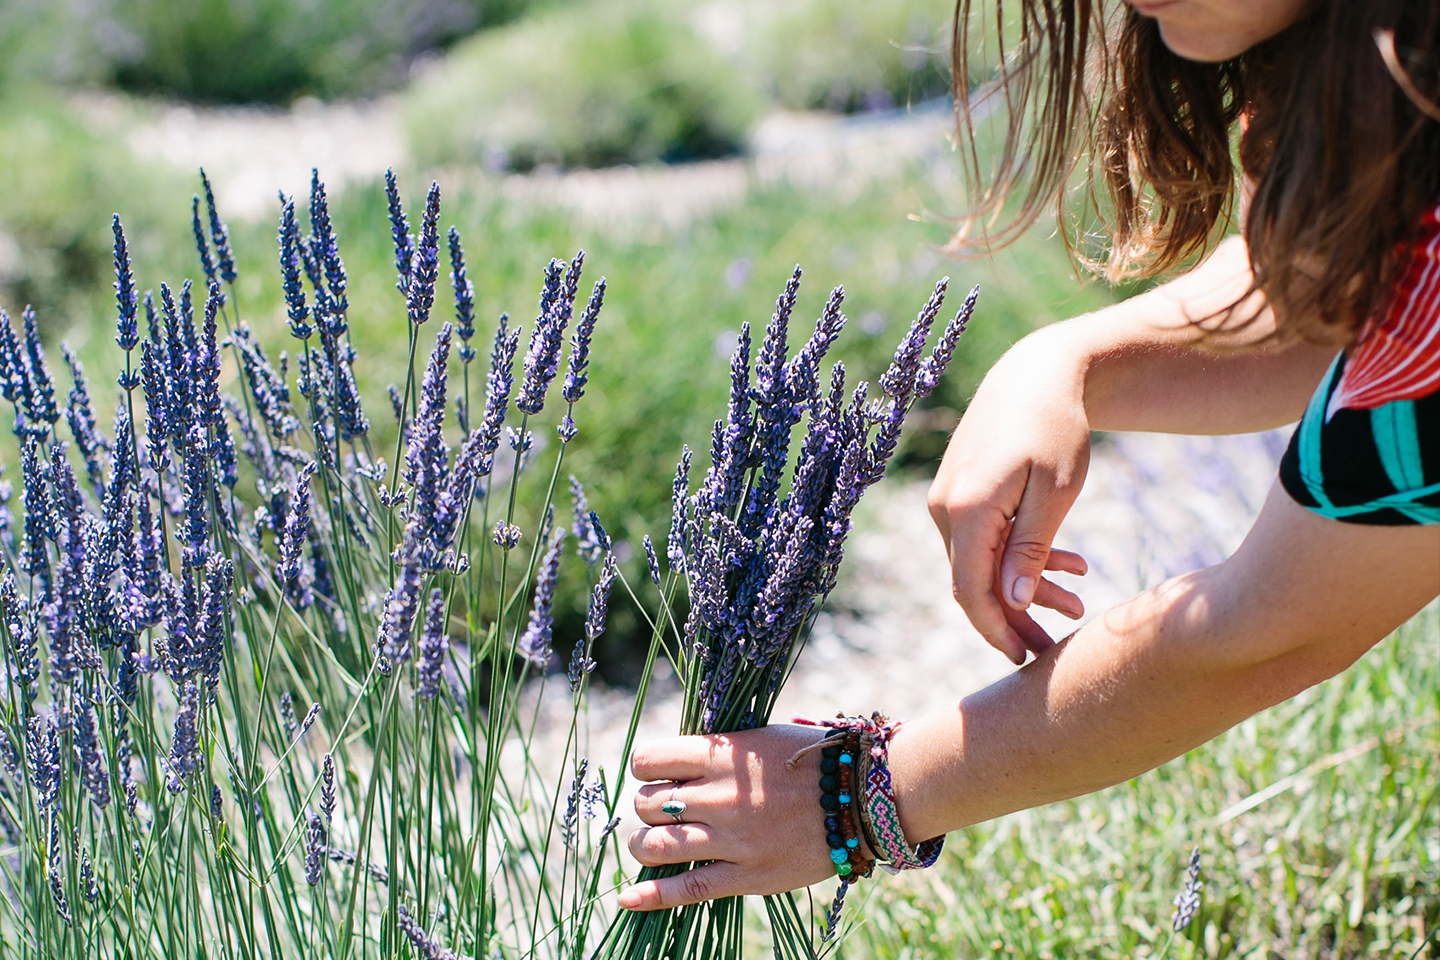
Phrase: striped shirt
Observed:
(1368, 448)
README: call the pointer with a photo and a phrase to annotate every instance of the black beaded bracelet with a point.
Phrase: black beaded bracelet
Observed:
(837, 798)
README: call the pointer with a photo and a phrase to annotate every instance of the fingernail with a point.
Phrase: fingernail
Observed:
(1023, 590)
(630, 899)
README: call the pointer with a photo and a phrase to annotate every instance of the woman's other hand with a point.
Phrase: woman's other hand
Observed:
(758, 821)
(1012, 471)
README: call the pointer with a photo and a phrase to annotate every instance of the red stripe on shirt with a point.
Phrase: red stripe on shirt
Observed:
(1398, 356)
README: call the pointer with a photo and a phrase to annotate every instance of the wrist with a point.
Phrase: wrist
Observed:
(918, 753)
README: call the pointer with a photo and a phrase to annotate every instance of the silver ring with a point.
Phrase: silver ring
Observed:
(674, 807)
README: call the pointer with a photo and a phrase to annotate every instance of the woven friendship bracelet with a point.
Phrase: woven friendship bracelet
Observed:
(879, 816)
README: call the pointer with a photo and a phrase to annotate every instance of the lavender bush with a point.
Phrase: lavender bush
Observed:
(270, 694)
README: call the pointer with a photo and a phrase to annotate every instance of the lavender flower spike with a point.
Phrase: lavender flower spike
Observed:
(185, 747)
(297, 526)
(580, 661)
(399, 232)
(935, 364)
(126, 301)
(202, 244)
(651, 561)
(534, 644)
(542, 359)
(464, 297)
(425, 265)
(219, 233)
(898, 382)
(290, 269)
(675, 543)
(426, 947)
(399, 623)
(434, 645)
(577, 376)
(325, 245)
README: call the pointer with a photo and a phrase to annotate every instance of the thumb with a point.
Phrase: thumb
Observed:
(1027, 548)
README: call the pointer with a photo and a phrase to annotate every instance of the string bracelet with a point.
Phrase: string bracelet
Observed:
(859, 799)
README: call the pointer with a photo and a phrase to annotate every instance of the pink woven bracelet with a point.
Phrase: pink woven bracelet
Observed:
(878, 812)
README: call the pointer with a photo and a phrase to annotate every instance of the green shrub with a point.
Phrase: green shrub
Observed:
(848, 55)
(586, 85)
(234, 51)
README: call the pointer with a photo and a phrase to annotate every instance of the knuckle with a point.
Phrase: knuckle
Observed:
(695, 886)
(1027, 551)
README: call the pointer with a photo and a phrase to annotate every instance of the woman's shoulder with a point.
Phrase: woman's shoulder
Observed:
(1397, 356)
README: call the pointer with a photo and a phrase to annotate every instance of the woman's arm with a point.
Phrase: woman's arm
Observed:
(1019, 457)
(1300, 600)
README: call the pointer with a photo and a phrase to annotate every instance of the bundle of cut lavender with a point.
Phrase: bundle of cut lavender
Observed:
(759, 560)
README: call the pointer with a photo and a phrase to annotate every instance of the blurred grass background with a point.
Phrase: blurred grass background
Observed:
(484, 89)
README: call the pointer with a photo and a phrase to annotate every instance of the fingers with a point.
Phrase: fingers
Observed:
(678, 758)
(709, 882)
(1059, 599)
(973, 570)
(649, 798)
(1027, 547)
(673, 843)
(1066, 561)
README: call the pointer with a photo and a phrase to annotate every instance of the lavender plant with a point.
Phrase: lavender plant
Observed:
(757, 559)
(173, 591)
(176, 589)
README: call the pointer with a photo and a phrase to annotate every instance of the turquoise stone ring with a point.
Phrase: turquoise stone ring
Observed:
(673, 807)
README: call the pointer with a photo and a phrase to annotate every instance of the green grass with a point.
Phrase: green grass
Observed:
(1339, 858)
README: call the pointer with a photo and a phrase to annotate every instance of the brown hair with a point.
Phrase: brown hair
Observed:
(1340, 140)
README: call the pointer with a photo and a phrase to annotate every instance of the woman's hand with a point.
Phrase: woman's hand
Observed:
(1012, 471)
(760, 823)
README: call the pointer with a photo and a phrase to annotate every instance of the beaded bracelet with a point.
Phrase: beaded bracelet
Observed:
(879, 817)
(838, 756)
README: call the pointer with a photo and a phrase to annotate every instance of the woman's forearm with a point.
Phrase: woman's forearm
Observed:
(1168, 670)
(1142, 364)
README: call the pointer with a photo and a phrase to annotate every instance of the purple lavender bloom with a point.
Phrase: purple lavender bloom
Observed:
(40, 519)
(326, 247)
(534, 644)
(202, 245)
(802, 373)
(434, 645)
(580, 662)
(898, 382)
(19, 625)
(14, 368)
(219, 233)
(290, 271)
(577, 376)
(94, 776)
(426, 947)
(425, 266)
(587, 541)
(726, 478)
(127, 329)
(327, 789)
(42, 389)
(399, 232)
(542, 359)
(506, 535)
(315, 843)
(185, 745)
(195, 533)
(944, 350)
(297, 526)
(400, 609)
(157, 427)
(87, 878)
(464, 297)
(675, 543)
(651, 561)
(57, 894)
(42, 753)
(214, 621)
(268, 389)
(63, 614)
(81, 416)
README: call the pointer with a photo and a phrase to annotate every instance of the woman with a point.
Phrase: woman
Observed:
(1325, 310)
